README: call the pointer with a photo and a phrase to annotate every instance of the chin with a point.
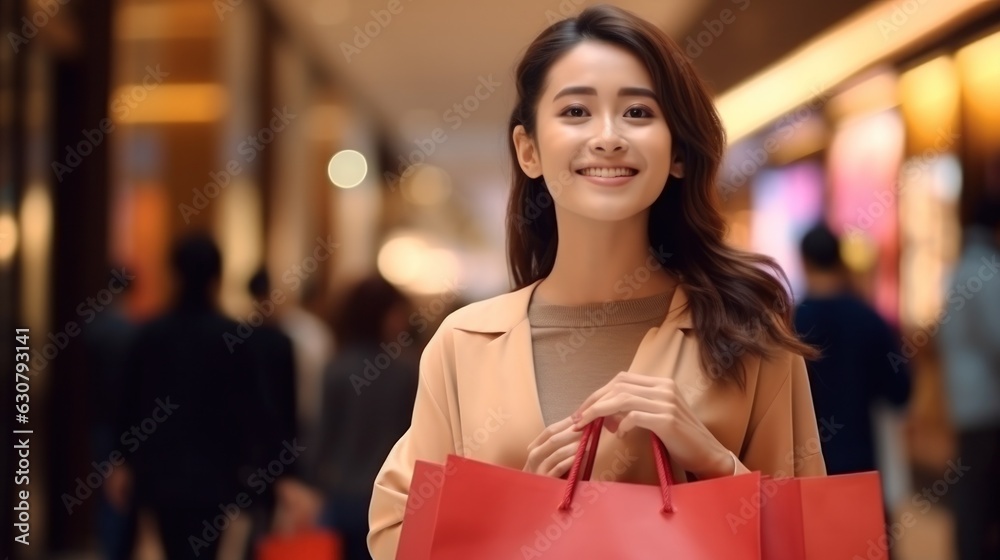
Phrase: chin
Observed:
(604, 211)
(608, 205)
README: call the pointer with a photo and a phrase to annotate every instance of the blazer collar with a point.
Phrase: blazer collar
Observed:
(501, 313)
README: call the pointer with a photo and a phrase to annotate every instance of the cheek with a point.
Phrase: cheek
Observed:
(656, 139)
(657, 150)
(557, 143)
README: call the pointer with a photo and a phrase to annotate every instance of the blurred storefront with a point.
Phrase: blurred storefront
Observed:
(894, 157)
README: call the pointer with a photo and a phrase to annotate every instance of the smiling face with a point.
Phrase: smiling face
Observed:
(601, 141)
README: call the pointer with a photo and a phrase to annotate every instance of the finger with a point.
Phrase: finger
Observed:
(656, 395)
(636, 419)
(644, 380)
(561, 468)
(550, 431)
(609, 388)
(540, 453)
(559, 456)
(624, 381)
(612, 422)
(590, 400)
(618, 403)
(657, 392)
(563, 439)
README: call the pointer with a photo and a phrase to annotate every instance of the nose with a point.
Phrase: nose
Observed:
(608, 141)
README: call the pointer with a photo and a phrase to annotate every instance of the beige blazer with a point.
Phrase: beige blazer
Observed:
(477, 398)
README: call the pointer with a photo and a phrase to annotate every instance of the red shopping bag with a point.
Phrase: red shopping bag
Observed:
(823, 518)
(421, 512)
(313, 545)
(488, 512)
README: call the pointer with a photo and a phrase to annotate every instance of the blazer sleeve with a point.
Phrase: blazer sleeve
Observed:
(429, 438)
(784, 440)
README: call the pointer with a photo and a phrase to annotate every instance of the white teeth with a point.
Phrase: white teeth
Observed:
(607, 171)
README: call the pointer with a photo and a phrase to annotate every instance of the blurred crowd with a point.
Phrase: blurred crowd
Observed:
(216, 433)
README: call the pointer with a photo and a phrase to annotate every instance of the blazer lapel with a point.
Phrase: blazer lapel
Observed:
(497, 358)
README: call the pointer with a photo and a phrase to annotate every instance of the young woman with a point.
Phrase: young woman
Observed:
(628, 304)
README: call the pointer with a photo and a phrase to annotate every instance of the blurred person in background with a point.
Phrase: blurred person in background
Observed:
(313, 346)
(854, 370)
(273, 349)
(368, 395)
(192, 411)
(107, 339)
(970, 347)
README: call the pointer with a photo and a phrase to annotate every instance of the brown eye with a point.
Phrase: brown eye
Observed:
(575, 112)
(638, 113)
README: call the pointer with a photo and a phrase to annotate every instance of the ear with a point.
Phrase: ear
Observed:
(527, 153)
(677, 168)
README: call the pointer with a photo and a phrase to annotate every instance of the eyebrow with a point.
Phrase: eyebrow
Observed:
(623, 92)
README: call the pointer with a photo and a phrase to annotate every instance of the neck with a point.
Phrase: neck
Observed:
(824, 284)
(195, 299)
(600, 261)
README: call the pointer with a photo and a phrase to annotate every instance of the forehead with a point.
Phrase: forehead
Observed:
(597, 63)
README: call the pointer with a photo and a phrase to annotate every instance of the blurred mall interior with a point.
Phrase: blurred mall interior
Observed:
(330, 139)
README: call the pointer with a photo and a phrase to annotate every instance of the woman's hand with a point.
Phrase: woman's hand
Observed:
(632, 401)
(552, 452)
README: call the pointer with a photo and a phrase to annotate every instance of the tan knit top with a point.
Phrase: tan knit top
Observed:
(578, 349)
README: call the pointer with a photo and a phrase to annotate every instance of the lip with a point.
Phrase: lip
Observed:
(609, 181)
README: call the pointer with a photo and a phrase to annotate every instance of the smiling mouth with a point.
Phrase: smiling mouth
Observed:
(607, 171)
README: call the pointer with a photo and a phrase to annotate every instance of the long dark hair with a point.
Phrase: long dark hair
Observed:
(736, 299)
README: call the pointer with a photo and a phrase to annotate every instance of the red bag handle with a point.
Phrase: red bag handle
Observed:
(588, 450)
